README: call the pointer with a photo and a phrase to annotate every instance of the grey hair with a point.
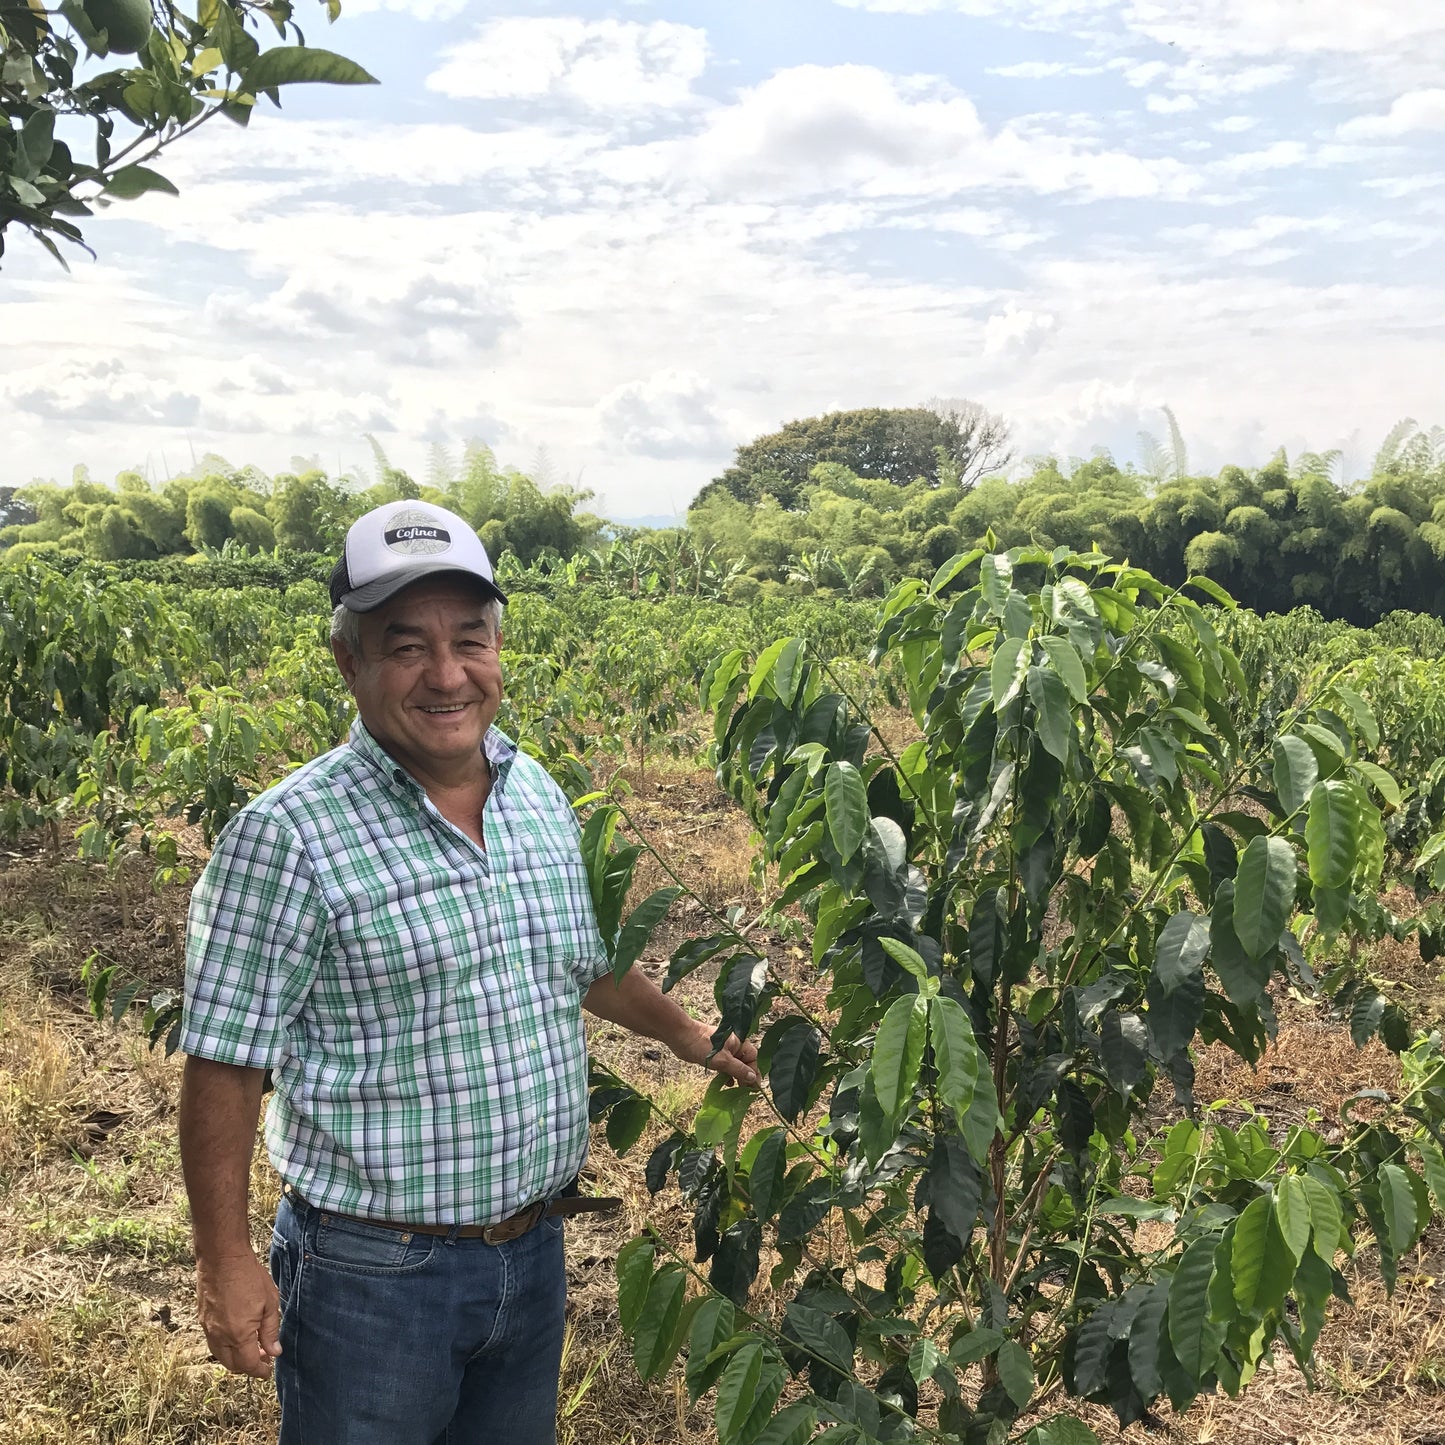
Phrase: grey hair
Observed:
(346, 624)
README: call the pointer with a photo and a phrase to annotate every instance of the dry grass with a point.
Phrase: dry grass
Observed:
(98, 1336)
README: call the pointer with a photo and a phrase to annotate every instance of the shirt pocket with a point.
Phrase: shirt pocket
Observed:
(396, 963)
(553, 899)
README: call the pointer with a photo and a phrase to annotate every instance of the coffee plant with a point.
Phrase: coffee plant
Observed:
(984, 1181)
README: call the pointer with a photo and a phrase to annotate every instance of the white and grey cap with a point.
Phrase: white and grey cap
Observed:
(394, 545)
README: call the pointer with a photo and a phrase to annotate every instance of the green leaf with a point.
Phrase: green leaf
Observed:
(739, 994)
(1292, 1211)
(296, 64)
(626, 1122)
(1384, 784)
(767, 1175)
(845, 801)
(1259, 1262)
(976, 1345)
(1183, 943)
(1092, 1347)
(1123, 1043)
(735, 1260)
(1432, 1161)
(131, 181)
(639, 928)
(737, 1390)
(1361, 714)
(37, 141)
(792, 1425)
(1016, 1372)
(712, 1326)
(26, 193)
(655, 1339)
(908, 959)
(1062, 1430)
(898, 1052)
(924, 1358)
(720, 678)
(1244, 978)
(1397, 1200)
(1051, 703)
(1195, 1338)
(1295, 772)
(788, 671)
(1332, 832)
(634, 1274)
(956, 1053)
(1327, 1221)
(983, 1121)
(721, 1114)
(1008, 670)
(1145, 1336)
(995, 574)
(821, 1335)
(1264, 894)
(1068, 666)
(794, 1067)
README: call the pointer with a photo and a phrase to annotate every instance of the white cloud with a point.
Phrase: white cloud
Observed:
(1418, 110)
(1017, 334)
(812, 129)
(1146, 73)
(1256, 239)
(1032, 70)
(1225, 28)
(824, 236)
(667, 415)
(416, 9)
(1282, 155)
(608, 65)
(1396, 187)
(1170, 104)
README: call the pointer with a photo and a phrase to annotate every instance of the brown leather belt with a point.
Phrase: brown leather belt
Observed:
(499, 1233)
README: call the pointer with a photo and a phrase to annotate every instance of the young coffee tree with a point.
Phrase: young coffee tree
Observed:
(988, 1152)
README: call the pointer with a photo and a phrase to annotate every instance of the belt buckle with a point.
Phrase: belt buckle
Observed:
(506, 1230)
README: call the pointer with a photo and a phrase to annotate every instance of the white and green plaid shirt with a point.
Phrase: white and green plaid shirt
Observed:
(417, 999)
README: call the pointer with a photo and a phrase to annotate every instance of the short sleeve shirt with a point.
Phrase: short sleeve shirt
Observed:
(417, 998)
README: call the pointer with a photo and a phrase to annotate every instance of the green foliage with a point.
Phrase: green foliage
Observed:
(179, 71)
(1276, 538)
(1026, 919)
(1123, 816)
(948, 442)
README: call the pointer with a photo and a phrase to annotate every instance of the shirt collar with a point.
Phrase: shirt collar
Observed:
(500, 750)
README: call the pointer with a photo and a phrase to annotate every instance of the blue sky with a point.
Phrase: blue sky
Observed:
(634, 235)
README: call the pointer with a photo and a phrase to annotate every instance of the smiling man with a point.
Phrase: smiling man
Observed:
(402, 932)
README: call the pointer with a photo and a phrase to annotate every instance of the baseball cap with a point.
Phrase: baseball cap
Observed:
(399, 543)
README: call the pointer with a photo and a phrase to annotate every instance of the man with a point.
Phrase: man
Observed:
(402, 932)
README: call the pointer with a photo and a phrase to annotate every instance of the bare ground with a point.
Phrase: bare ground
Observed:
(98, 1334)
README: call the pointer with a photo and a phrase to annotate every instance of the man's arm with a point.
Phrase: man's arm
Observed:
(239, 1308)
(638, 1004)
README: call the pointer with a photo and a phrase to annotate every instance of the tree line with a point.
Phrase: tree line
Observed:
(842, 505)
(217, 509)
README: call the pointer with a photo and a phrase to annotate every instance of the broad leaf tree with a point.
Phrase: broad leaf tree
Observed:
(945, 442)
(93, 90)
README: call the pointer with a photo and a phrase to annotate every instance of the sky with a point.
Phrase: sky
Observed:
(613, 241)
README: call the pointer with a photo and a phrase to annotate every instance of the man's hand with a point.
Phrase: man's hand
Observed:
(638, 1004)
(737, 1060)
(240, 1312)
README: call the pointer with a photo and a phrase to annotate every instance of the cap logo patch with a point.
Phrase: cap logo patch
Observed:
(416, 534)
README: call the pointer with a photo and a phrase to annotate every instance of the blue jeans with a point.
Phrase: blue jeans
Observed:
(393, 1339)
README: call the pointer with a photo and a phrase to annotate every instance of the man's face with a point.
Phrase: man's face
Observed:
(428, 681)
